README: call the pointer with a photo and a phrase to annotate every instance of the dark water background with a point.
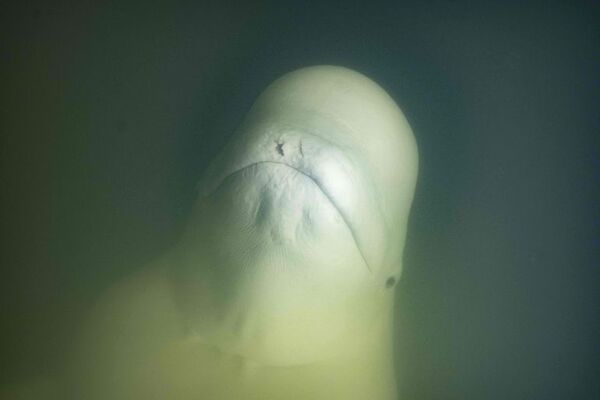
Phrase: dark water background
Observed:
(110, 111)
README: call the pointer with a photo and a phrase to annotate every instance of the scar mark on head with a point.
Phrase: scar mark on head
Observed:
(300, 148)
(279, 148)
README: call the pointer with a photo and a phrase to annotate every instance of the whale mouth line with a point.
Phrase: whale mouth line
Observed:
(317, 184)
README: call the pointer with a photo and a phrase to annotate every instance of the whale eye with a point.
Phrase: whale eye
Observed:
(390, 282)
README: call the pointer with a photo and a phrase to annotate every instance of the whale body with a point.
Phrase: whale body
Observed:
(282, 284)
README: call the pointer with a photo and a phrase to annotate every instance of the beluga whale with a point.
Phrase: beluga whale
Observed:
(282, 285)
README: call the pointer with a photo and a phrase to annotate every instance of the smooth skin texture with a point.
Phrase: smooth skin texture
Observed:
(282, 285)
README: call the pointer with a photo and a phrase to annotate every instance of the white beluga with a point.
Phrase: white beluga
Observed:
(282, 285)
(303, 215)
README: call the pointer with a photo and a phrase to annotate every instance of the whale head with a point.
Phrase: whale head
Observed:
(301, 219)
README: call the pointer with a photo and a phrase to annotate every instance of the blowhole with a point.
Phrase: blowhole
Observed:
(390, 282)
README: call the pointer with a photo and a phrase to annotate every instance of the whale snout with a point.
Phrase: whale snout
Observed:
(334, 169)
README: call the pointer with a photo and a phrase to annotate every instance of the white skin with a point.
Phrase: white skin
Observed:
(282, 285)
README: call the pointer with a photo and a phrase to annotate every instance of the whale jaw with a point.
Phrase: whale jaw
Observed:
(287, 279)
